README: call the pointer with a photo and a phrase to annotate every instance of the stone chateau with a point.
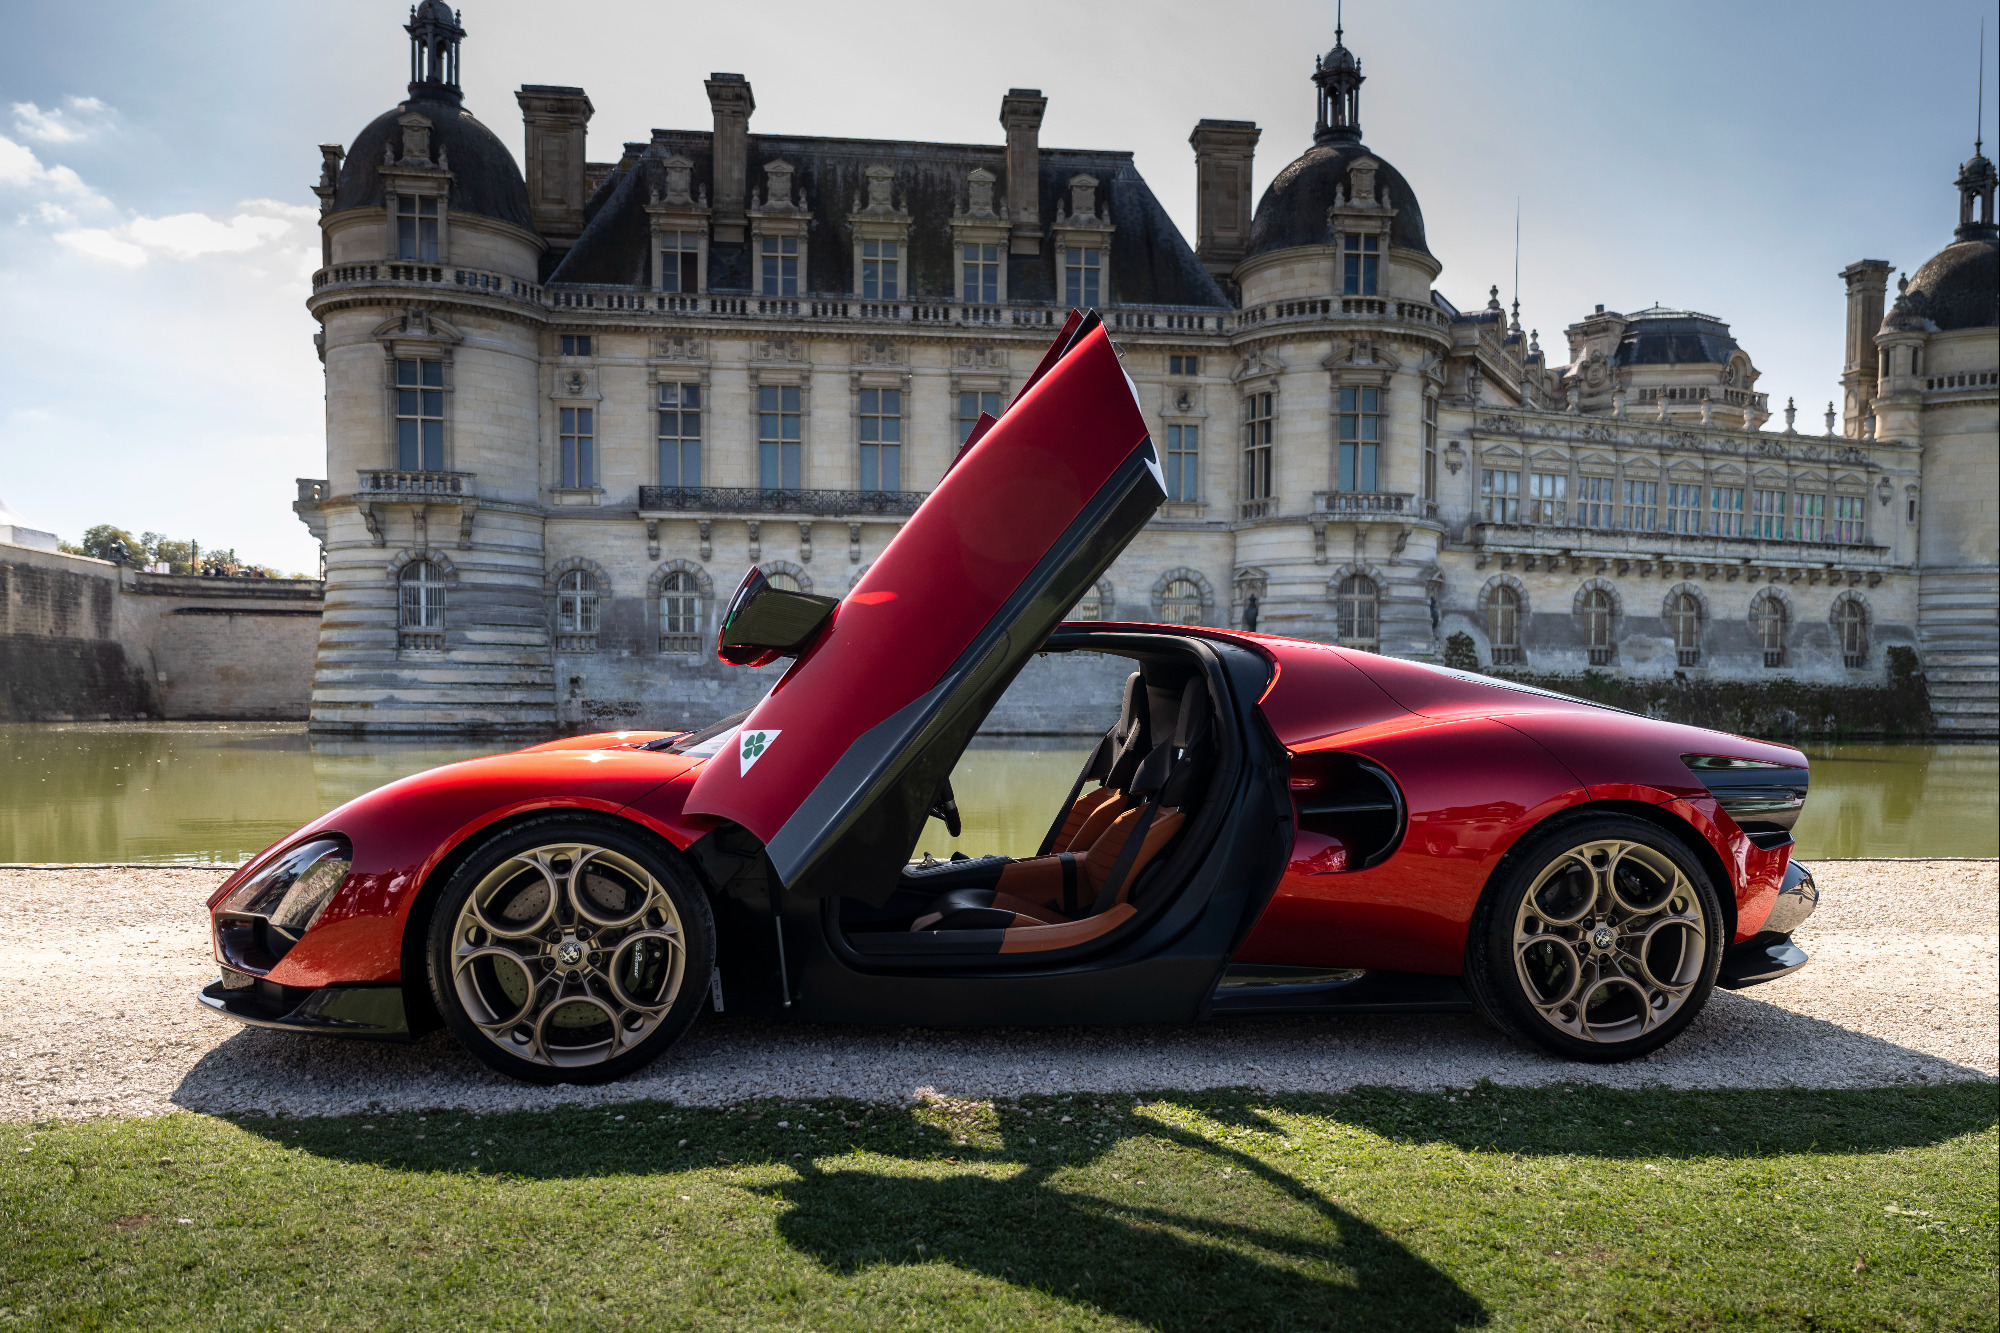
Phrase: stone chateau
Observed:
(567, 409)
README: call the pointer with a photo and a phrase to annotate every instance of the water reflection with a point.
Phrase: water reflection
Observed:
(199, 791)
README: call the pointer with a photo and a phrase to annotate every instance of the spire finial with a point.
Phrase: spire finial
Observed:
(1338, 77)
(1340, 14)
(1979, 113)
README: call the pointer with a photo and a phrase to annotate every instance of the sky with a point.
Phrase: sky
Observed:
(157, 229)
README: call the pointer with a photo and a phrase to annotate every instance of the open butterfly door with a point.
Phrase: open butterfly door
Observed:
(835, 770)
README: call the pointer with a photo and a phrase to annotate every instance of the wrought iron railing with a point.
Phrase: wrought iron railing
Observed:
(763, 500)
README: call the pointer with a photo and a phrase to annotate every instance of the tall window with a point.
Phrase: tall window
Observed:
(420, 597)
(1642, 506)
(1257, 451)
(680, 613)
(420, 416)
(1548, 497)
(881, 265)
(970, 405)
(1593, 502)
(1683, 509)
(1361, 256)
(577, 434)
(1499, 496)
(881, 439)
(780, 265)
(1809, 518)
(1684, 617)
(1597, 615)
(1184, 463)
(1430, 447)
(1767, 620)
(1180, 602)
(1360, 436)
(1503, 625)
(576, 612)
(680, 435)
(779, 463)
(981, 271)
(680, 261)
(1849, 519)
(417, 229)
(1850, 626)
(1080, 276)
(1725, 510)
(1357, 613)
(1090, 606)
(1767, 515)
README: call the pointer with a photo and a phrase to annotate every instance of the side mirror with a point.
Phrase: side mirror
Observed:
(763, 623)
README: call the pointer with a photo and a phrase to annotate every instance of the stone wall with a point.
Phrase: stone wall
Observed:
(87, 639)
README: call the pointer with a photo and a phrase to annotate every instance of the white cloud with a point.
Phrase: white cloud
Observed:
(260, 224)
(21, 168)
(79, 118)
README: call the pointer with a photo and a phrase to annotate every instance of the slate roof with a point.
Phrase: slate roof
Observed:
(1150, 262)
(1293, 209)
(1661, 337)
(1958, 287)
(486, 179)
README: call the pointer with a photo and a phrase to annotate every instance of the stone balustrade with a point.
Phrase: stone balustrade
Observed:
(395, 484)
(688, 500)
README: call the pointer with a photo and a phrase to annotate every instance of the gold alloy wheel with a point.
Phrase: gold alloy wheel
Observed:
(568, 955)
(1609, 941)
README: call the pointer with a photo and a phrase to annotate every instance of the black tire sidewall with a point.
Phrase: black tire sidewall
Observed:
(1490, 976)
(697, 927)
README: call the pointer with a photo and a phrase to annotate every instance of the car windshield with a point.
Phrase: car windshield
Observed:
(708, 741)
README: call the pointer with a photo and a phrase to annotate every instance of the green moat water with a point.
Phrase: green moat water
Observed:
(218, 792)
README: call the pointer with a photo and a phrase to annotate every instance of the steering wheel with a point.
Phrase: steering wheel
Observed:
(945, 806)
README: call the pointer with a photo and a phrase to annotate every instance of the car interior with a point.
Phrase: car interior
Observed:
(1120, 842)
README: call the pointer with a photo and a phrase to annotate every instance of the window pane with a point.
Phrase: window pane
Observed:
(407, 456)
(406, 372)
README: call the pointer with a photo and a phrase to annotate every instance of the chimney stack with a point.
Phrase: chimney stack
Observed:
(553, 123)
(1866, 281)
(730, 97)
(1021, 113)
(1223, 151)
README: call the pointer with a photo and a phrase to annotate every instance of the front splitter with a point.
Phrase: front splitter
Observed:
(368, 1013)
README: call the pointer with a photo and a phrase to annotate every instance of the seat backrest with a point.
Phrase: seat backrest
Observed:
(1131, 735)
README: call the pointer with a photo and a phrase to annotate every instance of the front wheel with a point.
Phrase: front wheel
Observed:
(1599, 941)
(566, 951)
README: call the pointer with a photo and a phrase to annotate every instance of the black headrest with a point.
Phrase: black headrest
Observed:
(1152, 774)
(1193, 719)
(1132, 736)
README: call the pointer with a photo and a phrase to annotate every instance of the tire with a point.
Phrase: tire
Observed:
(566, 950)
(1598, 940)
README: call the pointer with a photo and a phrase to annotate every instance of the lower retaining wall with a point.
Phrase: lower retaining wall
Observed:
(1778, 709)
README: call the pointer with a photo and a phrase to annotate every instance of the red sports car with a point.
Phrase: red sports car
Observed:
(1272, 826)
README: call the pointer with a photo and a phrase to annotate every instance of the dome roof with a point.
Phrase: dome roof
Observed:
(487, 181)
(1662, 337)
(1293, 209)
(1958, 288)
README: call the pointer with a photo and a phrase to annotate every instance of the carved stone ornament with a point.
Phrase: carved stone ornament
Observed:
(416, 139)
(979, 198)
(979, 358)
(680, 174)
(782, 349)
(880, 354)
(676, 348)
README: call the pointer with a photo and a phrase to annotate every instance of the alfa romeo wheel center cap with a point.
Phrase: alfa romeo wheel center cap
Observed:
(1603, 938)
(569, 953)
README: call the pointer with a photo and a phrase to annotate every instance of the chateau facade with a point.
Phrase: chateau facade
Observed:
(566, 410)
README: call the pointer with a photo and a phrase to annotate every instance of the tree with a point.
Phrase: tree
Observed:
(98, 541)
(1460, 652)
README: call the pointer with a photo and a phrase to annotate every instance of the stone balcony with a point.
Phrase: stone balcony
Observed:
(389, 484)
(426, 276)
(1374, 309)
(1353, 506)
(754, 501)
(1532, 546)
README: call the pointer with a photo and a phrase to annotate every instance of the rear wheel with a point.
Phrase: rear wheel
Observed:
(565, 951)
(1600, 941)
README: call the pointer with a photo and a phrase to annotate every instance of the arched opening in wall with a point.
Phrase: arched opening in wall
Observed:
(420, 607)
(1092, 605)
(784, 580)
(680, 613)
(1180, 602)
(1357, 606)
(1850, 626)
(1597, 612)
(1684, 613)
(1767, 620)
(576, 612)
(1503, 626)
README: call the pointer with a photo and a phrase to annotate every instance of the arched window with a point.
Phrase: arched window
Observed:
(680, 612)
(1090, 606)
(784, 580)
(1596, 610)
(1503, 625)
(1767, 619)
(1357, 613)
(420, 599)
(1684, 614)
(1180, 602)
(1850, 625)
(576, 612)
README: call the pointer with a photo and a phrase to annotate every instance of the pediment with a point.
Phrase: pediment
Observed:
(418, 324)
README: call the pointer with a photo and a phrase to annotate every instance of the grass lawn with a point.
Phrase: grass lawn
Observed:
(1495, 1208)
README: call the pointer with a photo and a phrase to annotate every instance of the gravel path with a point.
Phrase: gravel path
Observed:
(98, 969)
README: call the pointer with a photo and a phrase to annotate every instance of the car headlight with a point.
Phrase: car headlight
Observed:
(265, 915)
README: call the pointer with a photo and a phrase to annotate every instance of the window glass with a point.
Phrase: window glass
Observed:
(417, 229)
(1184, 463)
(1596, 611)
(1360, 436)
(1809, 518)
(576, 344)
(1767, 515)
(576, 603)
(680, 261)
(1685, 613)
(1849, 519)
(1356, 613)
(576, 433)
(1081, 268)
(421, 589)
(1593, 502)
(1767, 619)
(1257, 446)
(1503, 625)
(680, 613)
(1180, 602)
(1850, 624)
(1184, 365)
(1683, 509)
(1642, 505)
(1725, 509)
(881, 262)
(970, 405)
(680, 435)
(779, 457)
(881, 439)
(1090, 606)
(980, 273)
(1499, 496)
(420, 415)
(1548, 497)
(1359, 258)
(783, 580)
(779, 258)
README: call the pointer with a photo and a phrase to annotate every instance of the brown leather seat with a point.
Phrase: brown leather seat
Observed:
(1112, 763)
